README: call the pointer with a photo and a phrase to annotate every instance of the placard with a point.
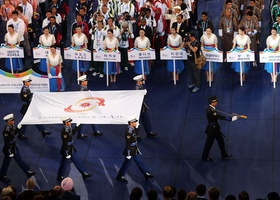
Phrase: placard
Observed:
(240, 56)
(42, 52)
(106, 56)
(168, 53)
(11, 52)
(269, 56)
(213, 55)
(72, 53)
(136, 54)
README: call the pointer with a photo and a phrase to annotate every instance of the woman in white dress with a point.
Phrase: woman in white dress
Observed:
(46, 40)
(272, 44)
(111, 43)
(79, 41)
(175, 41)
(142, 42)
(209, 41)
(54, 69)
(12, 39)
(241, 42)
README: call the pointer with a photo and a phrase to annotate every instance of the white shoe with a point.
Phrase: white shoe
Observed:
(126, 69)
(254, 64)
(101, 76)
(94, 74)
(91, 69)
(132, 64)
(191, 86)
(195, 89)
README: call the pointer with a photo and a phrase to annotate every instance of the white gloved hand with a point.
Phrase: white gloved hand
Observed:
(137, 125)
(11, 155)
(19, 126)
(68, 157)
(234, 118)
(78, 124)
(49, 75)
(59, 75)
(128, 157)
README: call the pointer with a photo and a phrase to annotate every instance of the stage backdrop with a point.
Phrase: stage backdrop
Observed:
(98, 107)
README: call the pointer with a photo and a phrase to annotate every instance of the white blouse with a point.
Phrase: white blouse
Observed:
(242, 41)
(273, 42)
(54, 60)
(47, 41)
(79, 41)
(12, 39)
(205, 40)
(111, 44)
(142, 43)
(174, 41)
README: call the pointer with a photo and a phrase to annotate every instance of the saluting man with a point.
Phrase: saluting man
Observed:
(68, 151)
(83, 87)
(26, 97)
(10, 149)
(213, 130)
(131, 152)
(144, 117)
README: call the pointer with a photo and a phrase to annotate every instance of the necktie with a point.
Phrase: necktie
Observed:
(178, 28)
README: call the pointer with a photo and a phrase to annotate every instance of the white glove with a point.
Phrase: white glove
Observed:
(19, 126)
(59, 75)
(234, 118)
(78, 124)
(49, 75)
(11, 155)
(255, 32)
(137, 125)
(128, 157)
(68, 157)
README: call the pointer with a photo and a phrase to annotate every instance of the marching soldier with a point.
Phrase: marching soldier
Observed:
(213, 130)
(26, 97)
(10, 149)
(144, 117)
(68, 151)
(83, 87)
(131, 151)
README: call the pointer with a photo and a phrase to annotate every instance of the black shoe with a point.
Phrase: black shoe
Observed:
(151, 134)
(208, 159)
(5, 179)
(30, 173)
(97, 133)
(148, 175)
(59, 178)
(86, 175)
(44, 133)
(81, 136)
(226, 156)
(121, 179)
(22, 137)
(138, 137)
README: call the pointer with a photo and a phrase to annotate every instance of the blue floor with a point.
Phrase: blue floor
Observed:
(174, 156)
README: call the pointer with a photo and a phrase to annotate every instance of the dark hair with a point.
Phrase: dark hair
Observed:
(180, 15)
(253, 1)
(204, 13)
(152, 195)
(168, 192)
(243, 195)
(228, 1)
(273, 28)
(192, 34)
(52, 46)
(11, 26)
(141, 29)
(136, 194)
(15, 12)
(230, 197)
(214, 193)
(82, 8)
(110, 30)
(148, 10)
(249, 8)
(112, 18)
(242, 28)
(273, 196)
(48, 11)
(210, 27)
(79, 15)
(181, 194)
(200, 190)
(79, 26)
(19, 8)
(46, 27)
(52, 17)
(249, 13)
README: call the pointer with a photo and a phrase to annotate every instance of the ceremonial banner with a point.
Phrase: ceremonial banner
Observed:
(42, 52)
(168, 53)
(213, 55)
(12, 83)
(72, 53)
(107, 56)
(136, 54)
(240, 56)
(11, 52)
(98, 107)
(269, 56)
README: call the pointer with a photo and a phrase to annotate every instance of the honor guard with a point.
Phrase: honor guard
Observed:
(131, 152)
(68, 151)
(26, 97)
(144, 117)
(10, 149)
(213, 130)
(83, 87)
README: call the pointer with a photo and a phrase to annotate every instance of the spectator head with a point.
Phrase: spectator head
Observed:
(204, 16)
(54, 10)
(111, 21)
(48, 14)
(241, 29)
(273, 31)
(230, 197)
(7, 191)
(136, 194)
(11, 28)
(249, 15)
(181, 194)
(67, 184)
(201, 190)
(228, 13)
(213, 193)
(168, 193)
(272, 196)
(243, 196)
(30, 184)
(104, 9)
(78, 29)
(100, 25)
(191, 196)
(148, 12)
(179, 18)
(249, 8)
(52, 20)
(152, 195)
(15, 14)
(252, 3)
(19, 9)
(82, 11)
(79, 18)
(143, 22)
